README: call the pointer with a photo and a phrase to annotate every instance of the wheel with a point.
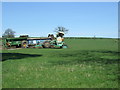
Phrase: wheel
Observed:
(24, 44)
(61, 46)
(8, 44)
(52, 46)
(46, 44)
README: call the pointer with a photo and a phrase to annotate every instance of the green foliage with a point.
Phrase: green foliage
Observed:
(87, 63)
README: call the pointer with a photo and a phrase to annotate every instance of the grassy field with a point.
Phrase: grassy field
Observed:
(87, 63)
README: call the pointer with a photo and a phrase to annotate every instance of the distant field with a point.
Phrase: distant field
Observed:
(87, 63)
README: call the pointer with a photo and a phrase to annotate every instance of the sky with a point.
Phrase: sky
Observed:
(83, 19)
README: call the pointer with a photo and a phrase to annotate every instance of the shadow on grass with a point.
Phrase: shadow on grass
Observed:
(87, 57)
(13, 56)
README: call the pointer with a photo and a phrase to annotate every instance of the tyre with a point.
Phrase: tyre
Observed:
(61, 46)
(24, 44)
(46, 44)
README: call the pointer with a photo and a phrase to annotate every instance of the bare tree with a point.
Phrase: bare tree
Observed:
(9, 33)
(61, 29)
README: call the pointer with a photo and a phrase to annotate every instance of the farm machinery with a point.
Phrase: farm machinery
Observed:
(13, 42)
(27, 42)
(53, 42)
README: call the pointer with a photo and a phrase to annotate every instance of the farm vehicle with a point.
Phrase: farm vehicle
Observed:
(27, 42)
(38, 43)
(13, 42)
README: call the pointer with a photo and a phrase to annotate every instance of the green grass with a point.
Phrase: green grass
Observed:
(86, 63)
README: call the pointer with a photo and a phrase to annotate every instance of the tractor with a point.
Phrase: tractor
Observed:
(50, 42)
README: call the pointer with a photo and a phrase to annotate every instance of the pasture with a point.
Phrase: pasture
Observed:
(87, 63)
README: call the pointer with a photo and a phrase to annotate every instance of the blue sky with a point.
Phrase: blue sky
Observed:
(83, 19)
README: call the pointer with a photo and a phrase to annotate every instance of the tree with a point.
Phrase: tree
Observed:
(9, 33)
(61, 29)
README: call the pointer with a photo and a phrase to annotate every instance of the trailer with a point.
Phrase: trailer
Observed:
(13, 42)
